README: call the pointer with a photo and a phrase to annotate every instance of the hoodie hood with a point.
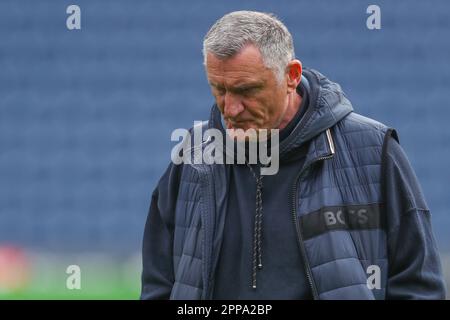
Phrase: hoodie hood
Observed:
(327, 106)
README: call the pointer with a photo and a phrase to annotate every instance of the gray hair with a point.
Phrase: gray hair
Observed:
(235, 30)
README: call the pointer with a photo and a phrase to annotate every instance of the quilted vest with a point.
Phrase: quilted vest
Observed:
(337, 206)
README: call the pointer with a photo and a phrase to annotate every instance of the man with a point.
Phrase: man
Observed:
(343, 218)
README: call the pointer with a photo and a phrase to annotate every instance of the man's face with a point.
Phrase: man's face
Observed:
(246, 91)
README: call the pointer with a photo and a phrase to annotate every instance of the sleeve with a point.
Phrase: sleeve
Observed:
(157, 249)
(414, 266)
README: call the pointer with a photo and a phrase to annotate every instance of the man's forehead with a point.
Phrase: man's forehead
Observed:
(238, 84)
(237, 80)
(241, 70)
(248, 56)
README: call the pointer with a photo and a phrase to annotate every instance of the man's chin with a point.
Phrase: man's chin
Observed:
(243, 134)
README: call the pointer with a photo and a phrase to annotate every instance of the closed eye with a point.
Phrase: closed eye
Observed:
(247, 90)
(243, 90)
(219, 91)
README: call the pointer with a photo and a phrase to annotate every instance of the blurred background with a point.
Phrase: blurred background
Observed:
(86, 117)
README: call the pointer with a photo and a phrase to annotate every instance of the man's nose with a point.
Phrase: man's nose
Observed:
(233, 106)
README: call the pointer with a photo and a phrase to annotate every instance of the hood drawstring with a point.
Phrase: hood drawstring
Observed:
(257, 231)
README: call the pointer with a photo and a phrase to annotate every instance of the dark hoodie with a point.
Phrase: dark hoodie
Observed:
(281, 261)
(183, 247)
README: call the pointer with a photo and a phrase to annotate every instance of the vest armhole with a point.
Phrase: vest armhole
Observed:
(390, 133)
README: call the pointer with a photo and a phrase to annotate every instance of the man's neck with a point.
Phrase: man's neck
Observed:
(294, 102)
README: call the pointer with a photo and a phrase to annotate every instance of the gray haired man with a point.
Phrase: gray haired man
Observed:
(343, 218)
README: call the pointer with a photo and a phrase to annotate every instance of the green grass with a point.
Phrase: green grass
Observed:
(104, 279)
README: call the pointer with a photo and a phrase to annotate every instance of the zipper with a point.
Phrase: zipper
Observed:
(207, 279)
(295, 218)
(207, 175)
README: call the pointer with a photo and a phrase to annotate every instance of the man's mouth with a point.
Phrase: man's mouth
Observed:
(236, 124)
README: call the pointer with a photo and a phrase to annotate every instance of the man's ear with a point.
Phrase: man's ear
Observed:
(294, 75)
